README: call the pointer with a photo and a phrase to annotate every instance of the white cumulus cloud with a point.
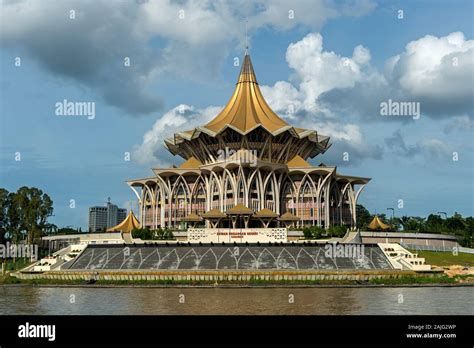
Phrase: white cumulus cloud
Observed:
(432, 66)
(437, 72)
(180, 118)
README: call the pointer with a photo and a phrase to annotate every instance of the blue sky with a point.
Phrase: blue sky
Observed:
(190, 61)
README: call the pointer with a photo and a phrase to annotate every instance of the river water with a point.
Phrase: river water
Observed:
(94, 300)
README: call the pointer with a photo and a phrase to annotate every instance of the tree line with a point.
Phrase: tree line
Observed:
(24, 214)
(456, 225)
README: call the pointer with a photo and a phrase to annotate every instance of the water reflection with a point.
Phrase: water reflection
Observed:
(69, 300)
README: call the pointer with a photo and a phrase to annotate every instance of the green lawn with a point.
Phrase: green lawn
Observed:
(18, 264)
(446, 258)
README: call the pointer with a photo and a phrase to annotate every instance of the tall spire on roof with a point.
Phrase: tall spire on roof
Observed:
(246, 111)
(246, 38)
(246, 72)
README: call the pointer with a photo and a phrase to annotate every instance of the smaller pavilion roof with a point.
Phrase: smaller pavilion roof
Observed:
(288, 217)
(239, 209)
(192, 217)
(214, 214)
(377, 224)
(265, 213)
(127, 225)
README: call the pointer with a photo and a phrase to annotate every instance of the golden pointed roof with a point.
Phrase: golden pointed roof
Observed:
(377, 224)
(127, 225)
(298, 162)
(247, 109)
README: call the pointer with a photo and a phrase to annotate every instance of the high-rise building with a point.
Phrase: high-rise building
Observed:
(104, 217)
(121, 215)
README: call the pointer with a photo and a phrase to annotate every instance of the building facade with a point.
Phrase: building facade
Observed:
(247, 168)
(101, 218)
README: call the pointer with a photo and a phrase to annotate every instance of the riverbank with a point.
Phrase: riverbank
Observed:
(401, 281)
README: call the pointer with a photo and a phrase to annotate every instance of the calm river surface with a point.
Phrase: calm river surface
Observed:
(52, 300)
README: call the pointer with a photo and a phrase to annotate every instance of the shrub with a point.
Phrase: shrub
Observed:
(317, 232)
(307, 233)
(337, 230)
(142, 233)
(163, 234)
(313, 232)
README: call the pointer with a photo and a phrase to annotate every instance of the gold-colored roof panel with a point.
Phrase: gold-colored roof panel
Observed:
(247, 109)
(239, 209)
(298, 162)
(127, 225)
(265, 213)
(377, 224)
(288, 217)
(214, 214)
(191, 163)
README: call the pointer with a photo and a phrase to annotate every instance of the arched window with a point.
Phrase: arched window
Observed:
(215, 194)
(335, 202)
(254, 194)
(180, 202)
(307, 203)
(229, 199)
(240, 191)
(269, 193)
(287, 198)
(148, 207)
(199, 198)
(159, 203)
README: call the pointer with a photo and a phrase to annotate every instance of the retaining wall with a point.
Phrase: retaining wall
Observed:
(216, 276)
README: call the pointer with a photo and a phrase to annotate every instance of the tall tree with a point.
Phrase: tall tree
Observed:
(363, 216)
(455, 223)
(434, 223)
(13, 218)
(4, 203)
(29, 211)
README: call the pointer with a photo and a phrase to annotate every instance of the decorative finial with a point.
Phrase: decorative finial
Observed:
(246, 37)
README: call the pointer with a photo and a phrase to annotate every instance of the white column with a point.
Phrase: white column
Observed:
(326, 204)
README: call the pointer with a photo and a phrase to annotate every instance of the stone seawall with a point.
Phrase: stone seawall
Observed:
(219, 276)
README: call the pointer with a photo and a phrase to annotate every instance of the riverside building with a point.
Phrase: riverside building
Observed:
(247, 169)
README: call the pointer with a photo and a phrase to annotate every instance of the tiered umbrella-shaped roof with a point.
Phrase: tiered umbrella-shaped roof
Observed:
(246, 112)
